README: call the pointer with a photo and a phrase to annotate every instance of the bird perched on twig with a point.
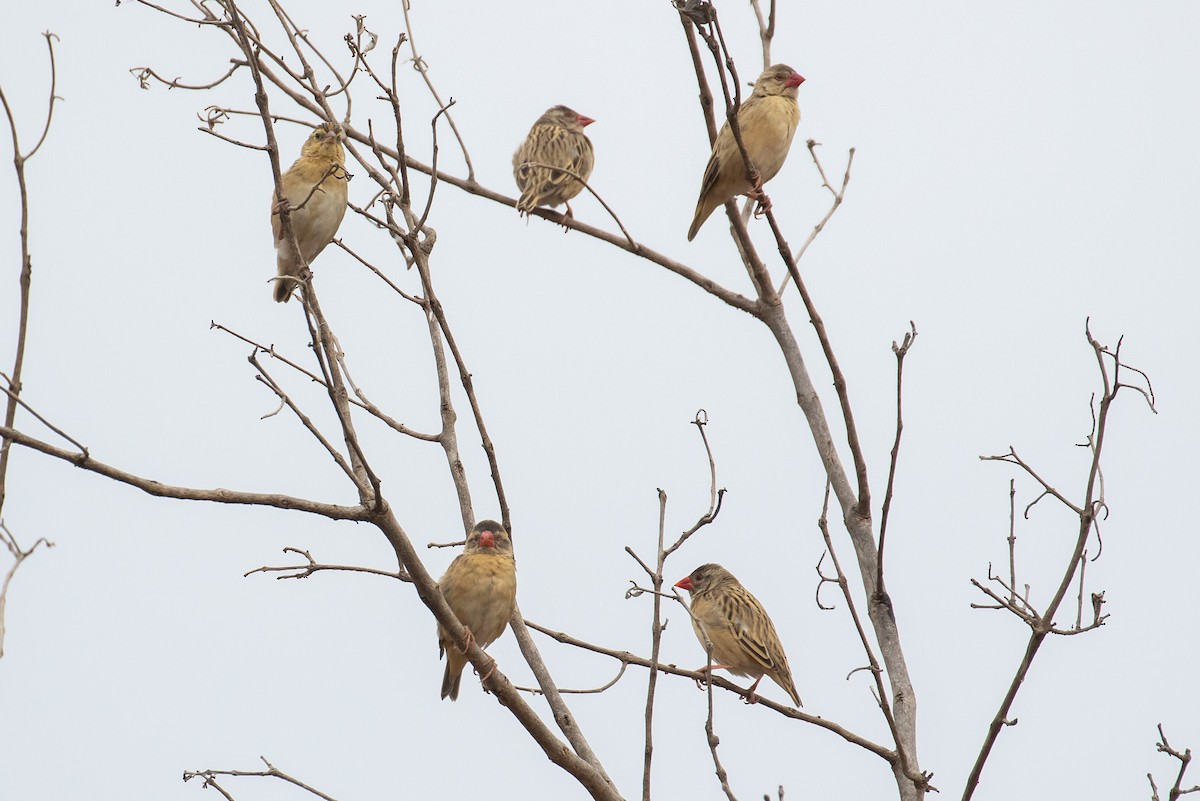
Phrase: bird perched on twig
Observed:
(743, 637)
(556, 139)
(767, 121)
(480, 585)
(314, 189)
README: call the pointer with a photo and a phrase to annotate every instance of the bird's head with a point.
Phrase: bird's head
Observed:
(704, 578)
(490, 536)
(566, 117)
(325, 142)
(779, 79)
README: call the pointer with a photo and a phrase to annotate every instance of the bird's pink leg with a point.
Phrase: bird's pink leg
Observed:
(752, 698)
(757, 193)
(562, 218)
(470, 639)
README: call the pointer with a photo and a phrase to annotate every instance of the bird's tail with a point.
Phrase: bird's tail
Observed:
(703, 212)
(283, 289)
(452, 678)
(527, 201)
(790, 687)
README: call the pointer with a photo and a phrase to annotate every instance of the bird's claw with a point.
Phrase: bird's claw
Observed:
(563, 217)
(491, 669)
(764, 204)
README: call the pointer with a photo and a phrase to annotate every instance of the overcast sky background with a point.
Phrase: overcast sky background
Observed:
(1019, 167)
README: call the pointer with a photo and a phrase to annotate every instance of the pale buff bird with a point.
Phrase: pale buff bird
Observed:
(480, 585)
(557, 139)
(743, 637)
(767, 120)
(315, 189)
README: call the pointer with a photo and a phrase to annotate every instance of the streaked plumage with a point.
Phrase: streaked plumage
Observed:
(768, 120)
(743, 637)
(322, 161)
(557, 138)
(480, 585)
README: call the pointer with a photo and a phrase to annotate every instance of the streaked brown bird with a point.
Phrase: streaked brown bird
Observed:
(767, 120)
(556, 139)
(480, 585)
(315, 190)
(743, 637)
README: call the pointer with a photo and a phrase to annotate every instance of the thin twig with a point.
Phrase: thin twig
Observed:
(632, 244)
(901, 351)
(19, 555)
(838, 196)
(270, 773)
(421, 66)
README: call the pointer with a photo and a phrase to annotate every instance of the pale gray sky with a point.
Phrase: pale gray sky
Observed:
(1020, 167)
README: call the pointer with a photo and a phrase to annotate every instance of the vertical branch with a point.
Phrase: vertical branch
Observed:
(711, 735)
(903, 763)
(706, 97)
(1012, 540)
(24, 282)
(1079, 605)
(448, 435)
(655, 643)
(863, 503)
(656, 577)
(901, 351)
(25, 277)
(766, 29)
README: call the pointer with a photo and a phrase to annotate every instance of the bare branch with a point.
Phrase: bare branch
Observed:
(19, 555)
(145, 74)
(158, 489)
(209, 777)
(589, 691)
(838, 196)
(901, 351)
(1086, 512)
(25, 277)
(718, 681)
(421, 66)
(1184, 758)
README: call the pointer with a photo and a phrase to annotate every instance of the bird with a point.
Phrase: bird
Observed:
(556, 139)
(767, 121)
(480, 585)
(314, 190)
(743, 638)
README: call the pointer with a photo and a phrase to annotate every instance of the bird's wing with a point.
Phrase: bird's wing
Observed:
(753, 630)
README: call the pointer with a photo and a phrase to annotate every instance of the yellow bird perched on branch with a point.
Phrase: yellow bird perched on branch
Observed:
(480, 585)
(314, 189)
(767, 121)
